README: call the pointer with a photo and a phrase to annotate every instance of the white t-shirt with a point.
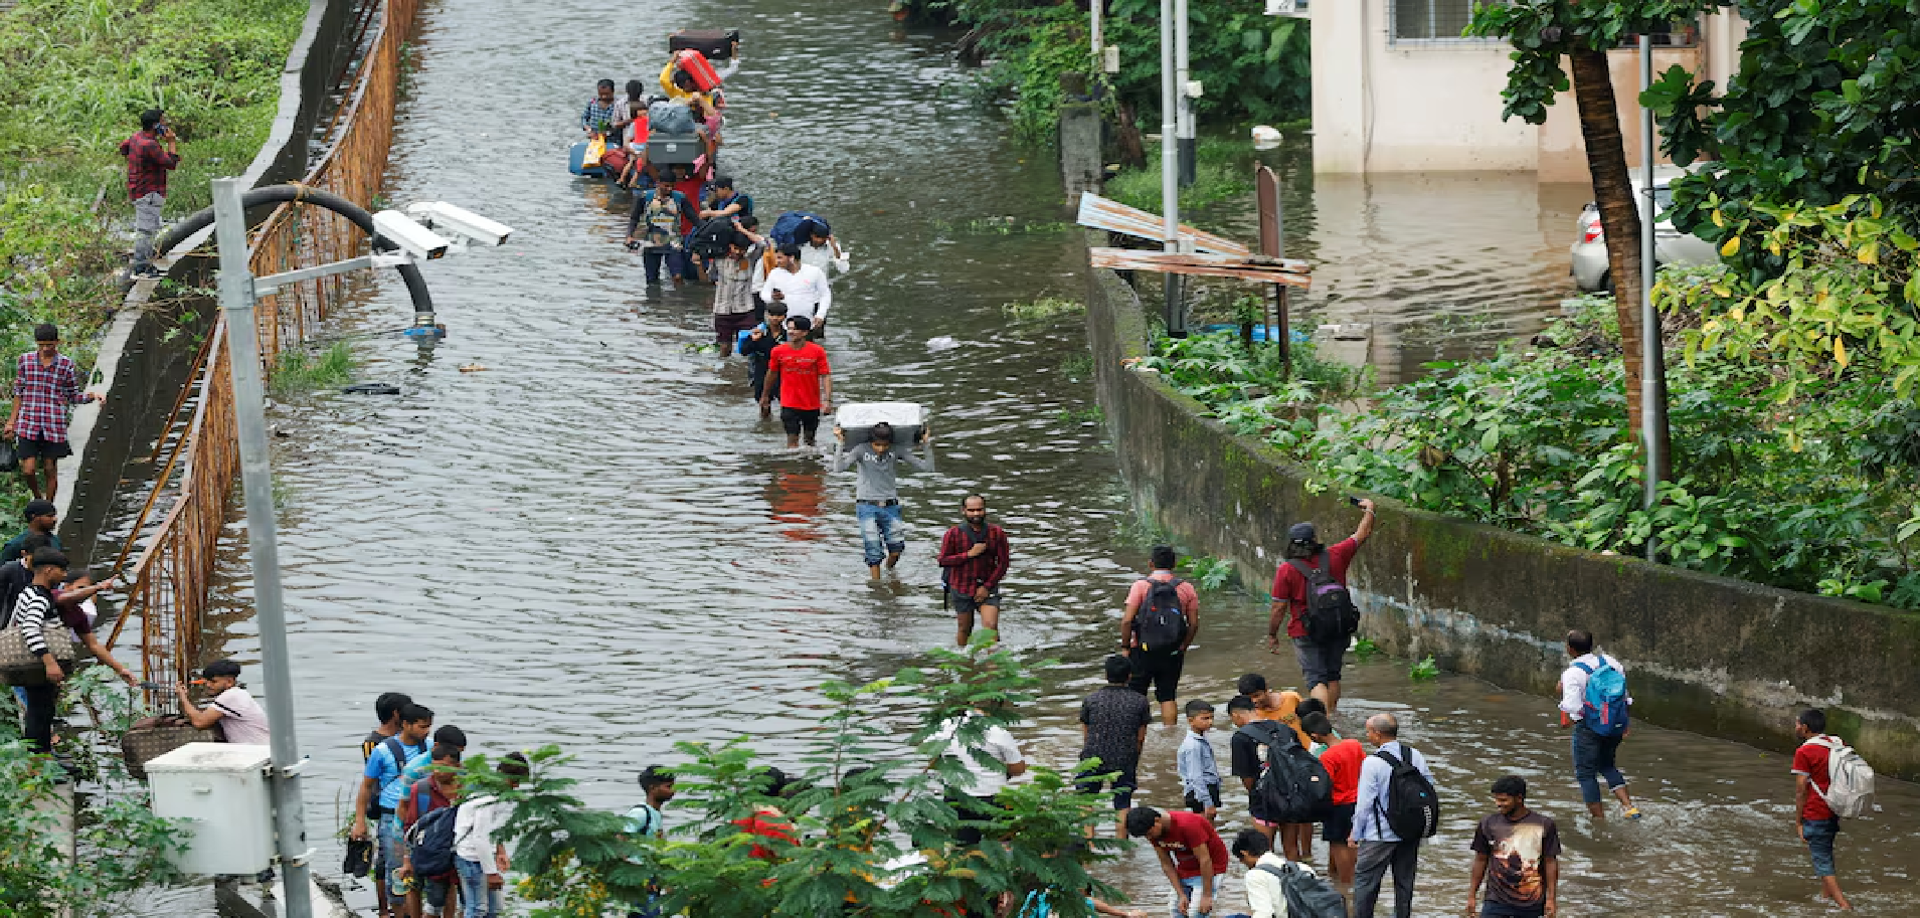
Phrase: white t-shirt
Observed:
(241, 719)
(998, 744)
(473, 829)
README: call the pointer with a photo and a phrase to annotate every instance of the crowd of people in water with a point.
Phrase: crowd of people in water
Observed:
(1371, 803)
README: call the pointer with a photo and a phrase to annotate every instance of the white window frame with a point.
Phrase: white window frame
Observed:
(1395, 41)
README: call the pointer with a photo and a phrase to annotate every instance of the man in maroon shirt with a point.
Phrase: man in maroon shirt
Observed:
(150, 154)
(974, 557)
(1319, 661)
(45, 384)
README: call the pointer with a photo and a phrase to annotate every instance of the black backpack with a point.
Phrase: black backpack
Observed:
(1331, 616)
(1161, 624)
(1294, 787)
(710, 239)
(431, 841)
(1308, 896)
(1412, 807)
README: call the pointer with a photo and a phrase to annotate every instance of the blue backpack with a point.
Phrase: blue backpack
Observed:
(1604, 710)
(432, 842)
(790, 228)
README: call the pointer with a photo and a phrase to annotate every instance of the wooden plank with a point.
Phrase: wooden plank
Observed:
(1263, 270)
(1100, 213)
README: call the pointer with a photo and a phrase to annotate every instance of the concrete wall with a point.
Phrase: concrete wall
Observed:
(1705, 654)
(1413, 107)
(143, 363)
(1380, 107)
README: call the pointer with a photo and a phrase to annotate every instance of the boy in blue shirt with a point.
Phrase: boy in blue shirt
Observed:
(381, 786)
(1199, 775)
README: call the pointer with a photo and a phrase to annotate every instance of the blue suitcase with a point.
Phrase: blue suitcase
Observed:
(576, 155)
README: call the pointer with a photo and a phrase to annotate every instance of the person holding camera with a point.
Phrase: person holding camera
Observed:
(150, 154)
(1310, 598)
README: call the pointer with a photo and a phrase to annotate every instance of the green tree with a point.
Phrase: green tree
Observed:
(865, 798)
(1544, 33)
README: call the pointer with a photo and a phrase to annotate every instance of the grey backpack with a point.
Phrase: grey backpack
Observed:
(1308, 896)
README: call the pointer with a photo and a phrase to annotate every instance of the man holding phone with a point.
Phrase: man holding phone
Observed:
(1311, 573)
(150, 154)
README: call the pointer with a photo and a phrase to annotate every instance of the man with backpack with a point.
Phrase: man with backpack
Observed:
(658, 225)
(1288, 790)
(1311, 600)
(1395, 808)
(974, 557)
(381, 785)
(1594, 701)
(1829, 781)
(437, 789)
(1161, 619)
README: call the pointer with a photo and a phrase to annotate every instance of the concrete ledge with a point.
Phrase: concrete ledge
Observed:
(1707, 654)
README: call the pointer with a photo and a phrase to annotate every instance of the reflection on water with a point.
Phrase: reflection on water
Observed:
(598, 543)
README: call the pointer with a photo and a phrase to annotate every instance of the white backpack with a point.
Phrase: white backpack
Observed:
(1849, 790)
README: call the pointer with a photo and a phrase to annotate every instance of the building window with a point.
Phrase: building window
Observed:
(1681, 34)
(1432, 22)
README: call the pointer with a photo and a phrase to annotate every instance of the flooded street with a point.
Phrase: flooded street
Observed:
(595, 542)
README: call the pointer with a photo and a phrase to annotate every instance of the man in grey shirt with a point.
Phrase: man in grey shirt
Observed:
(877, 497)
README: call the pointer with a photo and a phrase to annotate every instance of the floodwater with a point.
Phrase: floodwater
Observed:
(572, 527)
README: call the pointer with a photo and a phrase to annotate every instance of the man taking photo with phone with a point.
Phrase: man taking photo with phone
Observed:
(1310, 598)
(150, 154)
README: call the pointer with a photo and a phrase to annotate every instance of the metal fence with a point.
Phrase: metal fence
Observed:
(170, 585)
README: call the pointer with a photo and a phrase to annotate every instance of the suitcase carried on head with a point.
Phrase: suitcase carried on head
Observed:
(716, 44)
(671, 150)
(696, 65)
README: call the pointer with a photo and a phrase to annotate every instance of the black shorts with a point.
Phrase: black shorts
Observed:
(1319, 663)
(1123, 787)
(796, 420)
(1338, 827)
(30, 448)
(1158, 667)
(1200, 806)
(963, 602)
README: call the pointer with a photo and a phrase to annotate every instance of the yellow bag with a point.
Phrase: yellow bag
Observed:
(596, 148)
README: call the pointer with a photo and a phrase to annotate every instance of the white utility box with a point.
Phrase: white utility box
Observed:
(857, 420)
(221, 790)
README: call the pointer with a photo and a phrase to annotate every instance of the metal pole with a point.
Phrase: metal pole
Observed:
(1651, 409)
(1170, 167)
(256, 477)
(1189, 168)
(1098, 37)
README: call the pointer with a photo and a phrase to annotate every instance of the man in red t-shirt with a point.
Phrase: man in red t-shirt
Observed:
(1342, 758)
(1319, 661)
(798, 371)
(1191, 853)
(1817, 822)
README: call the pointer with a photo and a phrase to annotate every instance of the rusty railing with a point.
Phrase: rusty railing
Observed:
(169, 587)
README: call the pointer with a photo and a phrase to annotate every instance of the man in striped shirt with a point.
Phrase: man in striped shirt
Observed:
(33, 611)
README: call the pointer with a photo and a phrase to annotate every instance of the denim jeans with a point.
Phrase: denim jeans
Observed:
(1192, 886)
(392, 852)
(678, 265)
(481, 902)
(1593, 755)
(881, 531)
(1820, 833)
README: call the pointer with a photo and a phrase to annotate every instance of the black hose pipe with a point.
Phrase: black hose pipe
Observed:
(280, 194)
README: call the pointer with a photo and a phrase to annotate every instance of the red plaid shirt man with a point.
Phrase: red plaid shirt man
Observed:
(43, 393)
(147, 165)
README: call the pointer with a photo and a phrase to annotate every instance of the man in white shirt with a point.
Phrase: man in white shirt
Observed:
(990, 764)
(1593, 753)
(479, 858)
(240, 718)
(1265, 897)
(1380, 847)
(802, 287)
(822, 251)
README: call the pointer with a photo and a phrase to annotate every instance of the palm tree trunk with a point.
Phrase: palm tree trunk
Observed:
(1619, 221)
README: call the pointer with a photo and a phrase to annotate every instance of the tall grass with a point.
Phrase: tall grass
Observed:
(1222, 171)
(299, 372)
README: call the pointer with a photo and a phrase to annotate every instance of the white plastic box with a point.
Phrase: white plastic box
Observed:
(857, 420)
(221, 790)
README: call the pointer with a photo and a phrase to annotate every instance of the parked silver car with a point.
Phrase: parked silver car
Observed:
(1670, 246)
